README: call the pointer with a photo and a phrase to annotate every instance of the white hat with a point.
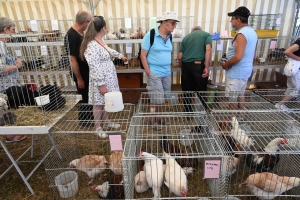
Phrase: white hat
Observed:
(168, 15)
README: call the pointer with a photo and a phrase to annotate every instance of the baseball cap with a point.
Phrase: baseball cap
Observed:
(240, 11)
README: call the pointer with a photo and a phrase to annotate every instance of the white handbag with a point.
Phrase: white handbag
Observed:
(292, 67)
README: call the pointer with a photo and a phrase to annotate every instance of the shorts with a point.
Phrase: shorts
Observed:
(234, 88)
(157, 86)
(293, 85)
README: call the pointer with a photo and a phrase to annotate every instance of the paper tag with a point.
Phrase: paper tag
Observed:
(115, 141)
(44, 51)
(18, 52)
(278, 21)
(220, 45)
(34, 25)
(109, 103)
(273, 44)
(128, 48)
(152, 22)
(127, 22)
(212, 168)
(54, 24)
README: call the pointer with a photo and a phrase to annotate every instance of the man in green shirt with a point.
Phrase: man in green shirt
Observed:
(194, 59)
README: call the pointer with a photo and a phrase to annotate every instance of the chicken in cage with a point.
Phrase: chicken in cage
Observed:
(169, 163)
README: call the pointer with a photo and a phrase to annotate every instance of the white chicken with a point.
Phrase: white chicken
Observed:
(175, 178)
(177, 33)
(115, 162)
(267, 185)
(102, 190)
(92, 165)
(111, 36)
(154, 172)
(239, 135)
(141, 184)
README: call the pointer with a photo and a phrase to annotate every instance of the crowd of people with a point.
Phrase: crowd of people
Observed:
(94, 72)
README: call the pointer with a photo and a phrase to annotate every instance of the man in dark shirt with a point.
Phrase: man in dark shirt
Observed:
(80, 68)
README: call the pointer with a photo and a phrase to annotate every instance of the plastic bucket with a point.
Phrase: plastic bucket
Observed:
(42, 100)
(67, 184)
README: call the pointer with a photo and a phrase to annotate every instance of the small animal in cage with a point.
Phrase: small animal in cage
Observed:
(239, 134)
(6, 116)
(122, 34)
(229, 165)
(64, 62)
(21, 95)
(134, 62)
(115, 162)
(139, 34)
(111, 36)
(140, 182)
(277, 54)
(35, 64)
(267, 161)
(119, 62)
(268, 185)
(56, 100)
(50, 36)
(173, 149)
(177, 33)
(175, 178)
(92, 165)
(111, 189)
(154, 172)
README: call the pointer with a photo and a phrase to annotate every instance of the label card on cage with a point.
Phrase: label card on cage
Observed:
(212, 168)
(34, 25)
(18, 52)
(128, 48)
(127, 22)
(115, 141)
(273, 44)
(54, 24)
(44, 51)
(152, 22)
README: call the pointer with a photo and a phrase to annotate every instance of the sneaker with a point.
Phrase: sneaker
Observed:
(113, 125)
(282, 107)
(101, 133)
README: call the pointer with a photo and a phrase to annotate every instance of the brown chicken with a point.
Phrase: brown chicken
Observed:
(92, 165)
(267, 185)
(115, 162)
(175, 151)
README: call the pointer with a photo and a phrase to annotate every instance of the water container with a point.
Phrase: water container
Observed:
(67, 184)
(113, 102)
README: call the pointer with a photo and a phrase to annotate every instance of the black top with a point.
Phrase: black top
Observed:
(74, 40)
(297, 53)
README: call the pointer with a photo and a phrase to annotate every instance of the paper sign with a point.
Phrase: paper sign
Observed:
(278, 21)
(152, 22)
(129, 48)
(273, 44)
(127, 22)
(44, 51)
(18, 53)
(34, 25)
(212, 168)
(115, 141)
(224, 33)
(220, 45)
(54, 24)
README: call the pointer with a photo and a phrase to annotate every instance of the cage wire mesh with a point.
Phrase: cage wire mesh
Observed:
(170, 103)
(219, 101)
(75, 141)
(38, 98)
(274, 148)
(190, 144)
(276, 96)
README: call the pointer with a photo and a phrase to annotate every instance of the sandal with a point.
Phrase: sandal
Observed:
(101, 133)
(16, 138)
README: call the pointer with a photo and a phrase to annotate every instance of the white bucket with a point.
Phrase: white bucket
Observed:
(42, 100)
(67, 184)
(186, 138)
(113, 102)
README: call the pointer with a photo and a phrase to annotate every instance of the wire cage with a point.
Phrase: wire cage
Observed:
(190, 140)
(219, 101)
(58, 27)
(276, 96)
(75, 141)
(170, 103)
(274, 150)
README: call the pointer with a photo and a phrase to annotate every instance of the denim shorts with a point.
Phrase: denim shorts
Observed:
(234, 88)
(157, 86)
